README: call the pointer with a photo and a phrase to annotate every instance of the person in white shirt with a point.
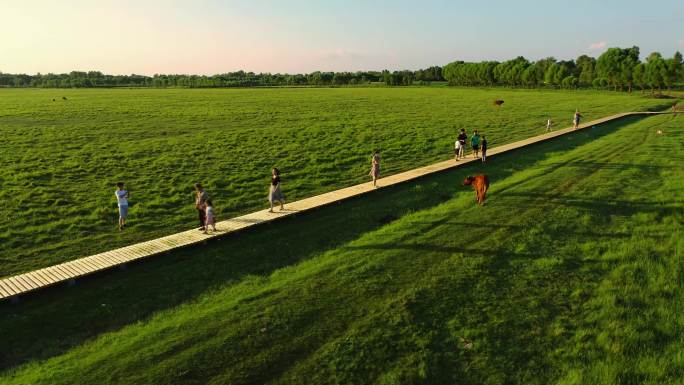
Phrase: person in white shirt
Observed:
(549, 123)
(122, 201)
(457, 149)
(209, 217)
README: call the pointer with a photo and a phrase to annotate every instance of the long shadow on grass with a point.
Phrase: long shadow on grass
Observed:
(52, 321)
(616, 207)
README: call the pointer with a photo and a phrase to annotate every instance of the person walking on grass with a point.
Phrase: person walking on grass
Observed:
(549, 123)
(209, 217)
(375, 168)
(462, 137)
(576, 119)
(275, 194)
(201, 198)
(484, 149)
(475, 143)
(122, 196)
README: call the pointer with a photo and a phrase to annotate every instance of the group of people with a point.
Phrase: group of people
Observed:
(477, 142)
(205, 207)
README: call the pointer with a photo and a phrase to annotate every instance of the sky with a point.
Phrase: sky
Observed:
(296, 36)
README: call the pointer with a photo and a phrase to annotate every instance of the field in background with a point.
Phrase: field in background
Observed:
(61, 158)
(570, 274)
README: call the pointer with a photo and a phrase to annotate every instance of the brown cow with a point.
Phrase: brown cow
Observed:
(480, 184)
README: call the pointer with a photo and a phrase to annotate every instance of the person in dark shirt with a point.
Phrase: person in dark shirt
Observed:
(462, 138)
(275, 194)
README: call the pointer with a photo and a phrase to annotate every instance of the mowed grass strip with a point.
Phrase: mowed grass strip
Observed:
(570, 274)
(61, 158)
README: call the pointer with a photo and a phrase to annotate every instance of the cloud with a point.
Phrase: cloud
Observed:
(598, 45)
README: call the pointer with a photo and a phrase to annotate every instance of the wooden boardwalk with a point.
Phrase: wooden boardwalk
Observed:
(68, 272)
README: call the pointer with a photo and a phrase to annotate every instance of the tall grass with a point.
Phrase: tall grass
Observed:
(61, 158)
(570, 274)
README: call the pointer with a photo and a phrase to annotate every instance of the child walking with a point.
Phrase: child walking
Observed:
(209, 217)
(122, 201)
(375, 168)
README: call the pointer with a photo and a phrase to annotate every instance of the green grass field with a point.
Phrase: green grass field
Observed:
(571, 274)
(61, 158)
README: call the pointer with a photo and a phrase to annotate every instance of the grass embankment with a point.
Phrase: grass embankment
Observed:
(60, 159)
(570, 274)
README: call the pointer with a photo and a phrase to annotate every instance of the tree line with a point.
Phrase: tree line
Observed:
(91, 79)
(617, 68)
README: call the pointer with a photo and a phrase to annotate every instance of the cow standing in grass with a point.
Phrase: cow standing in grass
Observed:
(480, 184)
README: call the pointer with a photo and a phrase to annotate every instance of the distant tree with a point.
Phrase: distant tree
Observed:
(628, 61)
(639, 75)
(673, 70)
(600, 83)
(569, 82)
(550, 74)
(656, 71)
(608, 66)
(586, 66)
(544, 64)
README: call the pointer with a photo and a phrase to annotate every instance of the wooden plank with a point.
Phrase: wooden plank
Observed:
(127, 254)
(3, 293)
(102, 263)
(35, 277)
(29, 284)
(51, 278)
(80, 267)
(68, 273)
(110, 260)
(55, 272)
(87, 266)
(18, 285)
(7, 288)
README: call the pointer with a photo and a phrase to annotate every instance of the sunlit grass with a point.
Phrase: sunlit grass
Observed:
(571, 274)
(61, 158)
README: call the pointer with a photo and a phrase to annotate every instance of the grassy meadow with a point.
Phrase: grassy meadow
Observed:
(60, 158)
(570, 274)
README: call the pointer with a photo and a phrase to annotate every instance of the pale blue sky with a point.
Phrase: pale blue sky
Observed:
(212, 36)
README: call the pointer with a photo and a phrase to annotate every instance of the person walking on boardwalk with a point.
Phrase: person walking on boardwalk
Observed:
(462, 137)
(201, 198)
(484, 149)
(457, 149)
(122, 201)
(375, 168)
(576, 119)
(475, 143)
(275, 194)
(209, 218)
